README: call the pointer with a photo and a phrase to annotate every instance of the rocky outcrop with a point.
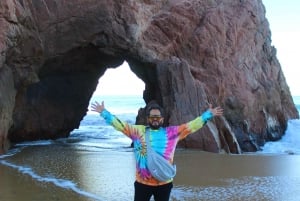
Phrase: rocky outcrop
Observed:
(188, 53)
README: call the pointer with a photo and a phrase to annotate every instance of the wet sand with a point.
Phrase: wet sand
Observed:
(15, 186)
(60, 173)
(238, 177)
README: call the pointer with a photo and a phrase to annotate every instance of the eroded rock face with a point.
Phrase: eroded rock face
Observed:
(188, 53)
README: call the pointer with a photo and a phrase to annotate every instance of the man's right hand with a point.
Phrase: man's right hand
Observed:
(97, 107)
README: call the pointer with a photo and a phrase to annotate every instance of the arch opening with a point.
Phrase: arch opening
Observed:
(122, 93)
(119, 85)
(120, 81)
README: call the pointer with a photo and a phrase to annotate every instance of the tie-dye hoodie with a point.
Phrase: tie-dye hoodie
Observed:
(163, 141)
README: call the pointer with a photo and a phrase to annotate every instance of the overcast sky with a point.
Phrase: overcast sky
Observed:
(120, 81)
(284, 19)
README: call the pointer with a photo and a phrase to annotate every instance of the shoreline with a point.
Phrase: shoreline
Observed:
(17, 186)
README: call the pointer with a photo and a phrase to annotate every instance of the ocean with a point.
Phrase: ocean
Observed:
(96, 163)
(290, 142)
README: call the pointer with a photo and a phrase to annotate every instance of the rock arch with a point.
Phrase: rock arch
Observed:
(188, 53)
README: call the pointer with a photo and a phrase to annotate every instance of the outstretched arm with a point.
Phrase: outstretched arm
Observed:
(111, 119)
(199, 122)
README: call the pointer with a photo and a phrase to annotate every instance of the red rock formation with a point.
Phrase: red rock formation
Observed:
(188, 53)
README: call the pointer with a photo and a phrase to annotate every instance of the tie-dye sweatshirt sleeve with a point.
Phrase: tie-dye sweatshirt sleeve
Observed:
(185, 129)
(124, 127)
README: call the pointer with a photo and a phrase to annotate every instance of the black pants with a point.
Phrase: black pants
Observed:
(144, 192)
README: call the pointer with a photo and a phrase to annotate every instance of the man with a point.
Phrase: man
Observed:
(163, 140)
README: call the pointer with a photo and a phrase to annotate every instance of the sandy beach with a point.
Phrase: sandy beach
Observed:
(60, 173)
(15, 186)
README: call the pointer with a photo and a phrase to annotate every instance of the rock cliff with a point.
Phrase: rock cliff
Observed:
(188, 53)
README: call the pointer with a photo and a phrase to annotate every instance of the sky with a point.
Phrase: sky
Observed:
(284, 20)
(120, 81)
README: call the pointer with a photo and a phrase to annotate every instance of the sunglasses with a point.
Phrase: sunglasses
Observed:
(155, 117)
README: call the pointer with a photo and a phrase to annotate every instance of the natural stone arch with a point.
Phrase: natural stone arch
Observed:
(55, 105)
(64, 90)
(188, 53)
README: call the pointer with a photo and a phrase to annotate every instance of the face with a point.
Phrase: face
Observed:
(155, 120)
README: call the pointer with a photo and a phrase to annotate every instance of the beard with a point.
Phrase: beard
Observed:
(155, 125)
